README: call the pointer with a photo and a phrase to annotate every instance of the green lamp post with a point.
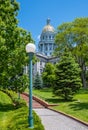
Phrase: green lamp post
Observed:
(30, 49)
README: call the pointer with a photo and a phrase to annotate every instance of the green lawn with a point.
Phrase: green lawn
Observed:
(77, 108)
(15, 118)
(5, 102)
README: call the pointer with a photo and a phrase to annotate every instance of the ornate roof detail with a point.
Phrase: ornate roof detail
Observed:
(48, 27)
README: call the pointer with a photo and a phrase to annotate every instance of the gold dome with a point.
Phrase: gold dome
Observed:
(48, 27)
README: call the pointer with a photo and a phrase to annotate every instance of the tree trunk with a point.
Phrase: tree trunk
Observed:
(83, 79)
(83, 76)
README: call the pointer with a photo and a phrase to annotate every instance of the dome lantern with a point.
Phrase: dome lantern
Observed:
(48, 21)
(48, 27)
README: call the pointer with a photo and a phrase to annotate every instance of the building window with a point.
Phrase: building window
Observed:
(49, 37)
(50, 46)
(40, 62)
(41, 70)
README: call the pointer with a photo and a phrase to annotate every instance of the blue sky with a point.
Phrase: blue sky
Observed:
(33, 13)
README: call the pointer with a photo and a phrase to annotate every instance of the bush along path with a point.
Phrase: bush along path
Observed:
(53, 120)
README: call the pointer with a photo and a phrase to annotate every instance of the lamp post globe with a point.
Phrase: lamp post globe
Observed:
(30, 49)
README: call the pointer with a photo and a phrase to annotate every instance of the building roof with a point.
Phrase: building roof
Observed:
(48, 27)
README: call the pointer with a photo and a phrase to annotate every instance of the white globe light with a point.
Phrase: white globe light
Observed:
(30, 47)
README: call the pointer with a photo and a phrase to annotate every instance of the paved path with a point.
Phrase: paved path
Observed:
(35, 104)
(55, 121)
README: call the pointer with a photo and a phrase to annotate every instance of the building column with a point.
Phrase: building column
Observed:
(43, 48)
(52, 46)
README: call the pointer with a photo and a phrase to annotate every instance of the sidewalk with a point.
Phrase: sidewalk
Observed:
(53, 120)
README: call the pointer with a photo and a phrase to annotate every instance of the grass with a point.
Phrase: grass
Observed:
(77, 108)
(5, 102)
(15, 117)
(43, 93)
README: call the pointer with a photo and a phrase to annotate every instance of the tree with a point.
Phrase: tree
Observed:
(74, 35)
(13, 40)
(38, 84)
(67, 77)
(48, 75)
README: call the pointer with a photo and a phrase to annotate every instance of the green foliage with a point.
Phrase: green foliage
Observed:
(13, 40)
(14, 118)
(19, 120)
(19, 83)
(67, 77)
(38, 83)
(74, 35)
(48, 75)
(15, 98)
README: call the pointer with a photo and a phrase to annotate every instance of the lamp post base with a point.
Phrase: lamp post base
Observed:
(30, 120)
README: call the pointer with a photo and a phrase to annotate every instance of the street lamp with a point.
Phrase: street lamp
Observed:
(30, 49)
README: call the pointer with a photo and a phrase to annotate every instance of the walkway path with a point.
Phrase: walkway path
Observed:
(55, 121)
(35, 104)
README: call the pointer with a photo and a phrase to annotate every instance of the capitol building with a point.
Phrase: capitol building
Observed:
(46, 48)
(46, 44)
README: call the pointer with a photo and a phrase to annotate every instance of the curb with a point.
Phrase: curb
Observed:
(42, 102)
(72, 117)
